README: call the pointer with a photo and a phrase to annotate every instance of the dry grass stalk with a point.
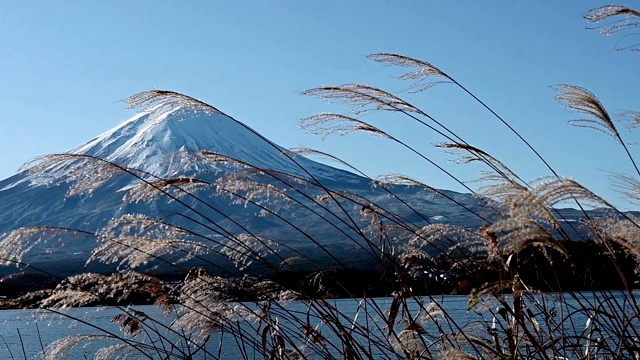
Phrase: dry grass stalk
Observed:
(153, 99)
(363, 98)
(130, 324)
(535, 201)
(473, 154)
(627, 186)
(633, 117)
(60, 349)
(15, 245)
(252, 185)
(327, 124)
(70, 298)
(134, 240)
(246, 248)
(85, 173)
(177, 187)
(117, 351)
(513, 329)
(625, 232)
(133, 252)
(424, 70)
(204, 310)
(304, 151)
(582, 100)
(624, 19)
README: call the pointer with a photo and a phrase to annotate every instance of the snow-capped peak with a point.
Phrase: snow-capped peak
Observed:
(147, 140)
(165, 141)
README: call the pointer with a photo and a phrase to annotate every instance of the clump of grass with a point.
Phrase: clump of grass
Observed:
(513, 267)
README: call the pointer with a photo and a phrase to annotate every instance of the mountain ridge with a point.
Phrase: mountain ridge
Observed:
(166, 141)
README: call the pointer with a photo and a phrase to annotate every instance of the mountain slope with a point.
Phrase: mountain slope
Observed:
(165, 141)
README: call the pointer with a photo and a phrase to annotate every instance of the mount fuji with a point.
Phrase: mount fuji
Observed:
(166, 142)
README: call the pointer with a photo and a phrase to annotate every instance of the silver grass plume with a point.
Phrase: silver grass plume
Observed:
(423, 72)
(204, 307)
(368, 211)
(130, 323)
(434, 233)
(90, 288)
(120, 285)
(17, 243)
(131, 252)
(536, 200)
(69, 299)
(530, 208)
(119, 351)
(633, 117)
(251, 169)
(224, 159)
(243, 187)
(432, 312)
(399, 179)
(625, 232)
(454, 354)
(326, 124)
(147, 191)
(85, 173)
(140, 224)
(135, 240)
(626, 19)
(298, 263)
(526, 207)
(518, 234)
(582, 100)
(474, 154)
(245, 248)
(410, 342)
(501, 189)
(377, 228)
(60, 349)
(362, 98)
(244, 182)
(627, 186)
(560, 190)
(152, 99)
(228, 161)
(304, 151)
(441, 239)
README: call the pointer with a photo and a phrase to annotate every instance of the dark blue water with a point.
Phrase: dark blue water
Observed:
(27, 332)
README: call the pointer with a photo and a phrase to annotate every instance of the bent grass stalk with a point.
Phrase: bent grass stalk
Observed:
(514, 320)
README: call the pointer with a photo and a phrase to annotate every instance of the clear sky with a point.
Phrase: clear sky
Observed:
(65, 66)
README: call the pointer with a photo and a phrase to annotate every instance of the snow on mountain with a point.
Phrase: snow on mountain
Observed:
(147, 140)
(163, 142)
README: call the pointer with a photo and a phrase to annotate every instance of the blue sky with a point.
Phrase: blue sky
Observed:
(65, 66)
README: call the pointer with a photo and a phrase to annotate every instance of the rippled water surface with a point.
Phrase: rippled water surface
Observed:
(29, 331)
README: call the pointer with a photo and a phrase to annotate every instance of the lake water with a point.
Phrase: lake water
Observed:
(35, 330)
